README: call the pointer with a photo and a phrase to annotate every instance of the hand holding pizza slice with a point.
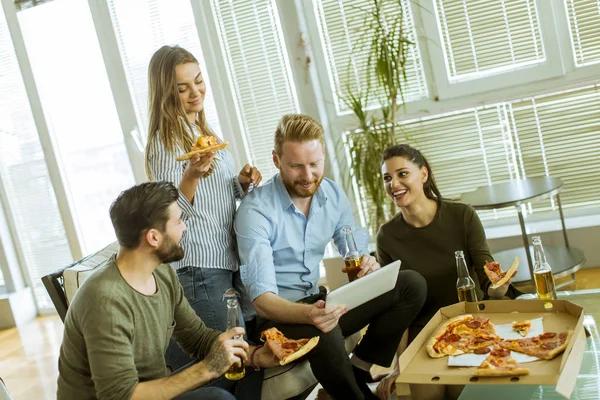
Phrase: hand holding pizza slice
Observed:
(204, 144)
(497, 276)
(287, 350)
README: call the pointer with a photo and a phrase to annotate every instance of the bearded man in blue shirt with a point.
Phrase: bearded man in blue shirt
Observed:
(283, 228)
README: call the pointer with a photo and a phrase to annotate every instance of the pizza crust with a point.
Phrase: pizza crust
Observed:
(509, 274)
(442, 331)
(522, 327)
(557, 350)
(208, 149)
(303, 350)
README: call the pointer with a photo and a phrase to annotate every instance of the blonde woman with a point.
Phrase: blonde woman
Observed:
(207, 183)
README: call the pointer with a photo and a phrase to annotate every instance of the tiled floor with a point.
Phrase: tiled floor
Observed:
(28, 354)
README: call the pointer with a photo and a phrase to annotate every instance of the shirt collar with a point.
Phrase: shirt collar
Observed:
(286, 200)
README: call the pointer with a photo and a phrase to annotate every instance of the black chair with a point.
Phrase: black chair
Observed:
(55, 284)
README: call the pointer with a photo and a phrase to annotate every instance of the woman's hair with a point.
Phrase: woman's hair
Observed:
(167, 119)
(416, 157)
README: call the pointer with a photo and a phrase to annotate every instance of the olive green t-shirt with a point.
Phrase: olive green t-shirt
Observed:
(429, 250)
(115, 337)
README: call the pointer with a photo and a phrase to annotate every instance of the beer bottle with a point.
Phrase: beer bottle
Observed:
(350, 254)
(234, 372)
(542, 272)
(465, 286)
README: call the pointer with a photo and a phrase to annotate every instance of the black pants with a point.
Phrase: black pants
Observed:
(387, 316)
(248, 388)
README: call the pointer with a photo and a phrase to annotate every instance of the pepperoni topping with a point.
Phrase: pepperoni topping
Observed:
(482, 350)
(478, 340)
(563, 336)
(493, 266)
(452, 338)
(500, 352)
(535, 339)
(547, 335)
(474, 324)
(549, 346)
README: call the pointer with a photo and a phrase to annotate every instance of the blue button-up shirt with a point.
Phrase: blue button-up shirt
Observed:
(280, 248)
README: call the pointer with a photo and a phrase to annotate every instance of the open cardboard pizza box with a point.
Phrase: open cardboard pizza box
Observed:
(417, 367)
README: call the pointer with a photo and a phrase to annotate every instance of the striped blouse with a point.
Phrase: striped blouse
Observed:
(209, 240)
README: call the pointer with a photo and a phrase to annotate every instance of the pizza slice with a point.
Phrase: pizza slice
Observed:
(496, 275)
(287, 350)
(462, 334)
(547, 345)
(500, 363)
(204, 144)
(522, 327)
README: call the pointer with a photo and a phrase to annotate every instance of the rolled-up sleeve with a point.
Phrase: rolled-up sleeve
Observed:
(361, 236)
(257, 271)
(164, 167)
(238, 190)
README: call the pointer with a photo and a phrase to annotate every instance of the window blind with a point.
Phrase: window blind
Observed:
(482, 37)
(81, 114)
(340, 23)
(24, 176)
(258, 71)
(584, 24)
(141, 28)
(554, 135)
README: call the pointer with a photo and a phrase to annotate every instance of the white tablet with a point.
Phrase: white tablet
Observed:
(358, 292)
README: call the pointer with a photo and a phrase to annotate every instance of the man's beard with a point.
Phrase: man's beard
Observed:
(296, 190)
(169, 251)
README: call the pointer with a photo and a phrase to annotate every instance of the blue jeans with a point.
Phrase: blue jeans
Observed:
(204, 289)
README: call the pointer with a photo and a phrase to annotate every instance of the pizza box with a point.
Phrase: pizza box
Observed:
(558, 315)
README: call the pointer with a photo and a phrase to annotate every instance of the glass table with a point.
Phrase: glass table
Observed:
(565, 260)
(588, 380)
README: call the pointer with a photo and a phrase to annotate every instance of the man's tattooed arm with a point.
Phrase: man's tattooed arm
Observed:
(217, 360)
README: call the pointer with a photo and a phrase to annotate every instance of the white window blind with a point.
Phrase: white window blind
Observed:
(142, 27)
(258, 71)
(584, 23)
(24, 177)
(554, 135)
(80, 111)
(559, 135)
(341, 27)
(483, 37)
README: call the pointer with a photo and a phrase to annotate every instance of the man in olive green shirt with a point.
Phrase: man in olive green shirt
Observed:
(119, 324)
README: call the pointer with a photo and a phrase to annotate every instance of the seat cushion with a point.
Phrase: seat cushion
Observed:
(76, 274)
(293, 379)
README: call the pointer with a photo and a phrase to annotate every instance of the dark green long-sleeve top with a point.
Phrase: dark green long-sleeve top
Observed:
(429, 250)
(116, 337)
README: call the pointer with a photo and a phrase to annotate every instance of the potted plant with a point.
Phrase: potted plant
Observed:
(385, 42)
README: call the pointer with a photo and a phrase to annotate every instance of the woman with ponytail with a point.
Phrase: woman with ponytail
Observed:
(424, 235)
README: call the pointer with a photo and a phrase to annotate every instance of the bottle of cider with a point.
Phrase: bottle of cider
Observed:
(542, 272)
(350, 254)
(465, 286)
(234, 372)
